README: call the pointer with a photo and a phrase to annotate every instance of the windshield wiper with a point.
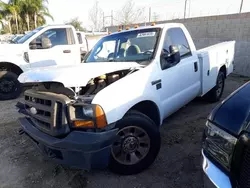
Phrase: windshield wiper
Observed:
(111, 60)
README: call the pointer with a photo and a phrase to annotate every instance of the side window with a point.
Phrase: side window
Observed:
(56, 37)
(79, 38)
(166, 44)
(175, 36)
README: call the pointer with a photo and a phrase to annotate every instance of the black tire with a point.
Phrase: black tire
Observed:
(215, 94)
(10, 87)
(142, 122)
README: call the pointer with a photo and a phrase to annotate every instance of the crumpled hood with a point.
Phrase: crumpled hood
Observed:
(74, 75)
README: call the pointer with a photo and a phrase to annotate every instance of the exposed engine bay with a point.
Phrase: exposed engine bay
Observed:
(86, 93)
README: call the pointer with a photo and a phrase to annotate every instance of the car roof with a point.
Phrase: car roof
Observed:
(161, 26)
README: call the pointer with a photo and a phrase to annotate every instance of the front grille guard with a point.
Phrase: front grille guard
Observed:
(50, 118)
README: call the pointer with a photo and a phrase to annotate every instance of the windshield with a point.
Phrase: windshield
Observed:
(136, 45)
(28, 35)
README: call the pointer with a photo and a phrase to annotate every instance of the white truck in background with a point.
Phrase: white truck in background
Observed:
(108, 110)
(52, 45)
(88, 40)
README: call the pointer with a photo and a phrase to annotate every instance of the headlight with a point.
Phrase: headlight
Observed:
(88, 111)
(219, 144)
(87, 116)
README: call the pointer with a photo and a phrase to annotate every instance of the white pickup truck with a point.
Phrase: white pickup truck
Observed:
(45, 46)
(108, 110)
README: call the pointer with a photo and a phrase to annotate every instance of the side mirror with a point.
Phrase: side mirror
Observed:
(171, 58)
(33, 44)
(46, 43)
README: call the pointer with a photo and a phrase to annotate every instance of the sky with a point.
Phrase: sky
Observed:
(63, 10)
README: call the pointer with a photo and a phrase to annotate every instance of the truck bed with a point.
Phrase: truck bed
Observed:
(211, 59)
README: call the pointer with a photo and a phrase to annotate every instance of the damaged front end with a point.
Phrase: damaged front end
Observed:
(60, 116)
(56, 110)
(66, 126)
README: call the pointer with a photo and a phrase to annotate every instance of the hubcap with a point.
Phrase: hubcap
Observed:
(6, 86)
(132, 146)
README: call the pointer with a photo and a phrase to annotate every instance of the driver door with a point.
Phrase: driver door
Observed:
(181, 82)
(63, 50)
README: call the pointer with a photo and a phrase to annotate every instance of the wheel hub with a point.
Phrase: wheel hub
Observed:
(130, 144)
(6, 86)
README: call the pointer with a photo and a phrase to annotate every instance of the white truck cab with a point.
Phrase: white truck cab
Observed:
(109, 109)
(52, 45)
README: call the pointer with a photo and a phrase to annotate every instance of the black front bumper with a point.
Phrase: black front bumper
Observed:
(83, 150)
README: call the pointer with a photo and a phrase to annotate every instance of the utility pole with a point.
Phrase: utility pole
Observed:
(149, 16)
(189, 5)
(103, 20)
(241, 5)
(185, 9)
(96, 14)
(112, 18)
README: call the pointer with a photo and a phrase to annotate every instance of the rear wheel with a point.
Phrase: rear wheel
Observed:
(138, 144)
(10, 87)
(215, 94)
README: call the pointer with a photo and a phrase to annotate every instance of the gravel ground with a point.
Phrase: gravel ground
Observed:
(178, 164)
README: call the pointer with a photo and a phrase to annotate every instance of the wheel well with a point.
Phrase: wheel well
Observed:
(6, 66)
(224, 70)
(150, 109)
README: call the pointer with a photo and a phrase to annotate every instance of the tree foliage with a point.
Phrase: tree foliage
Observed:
(155, 17)
(129, 13)
(19, 16)
(76, 23)
(96, 16)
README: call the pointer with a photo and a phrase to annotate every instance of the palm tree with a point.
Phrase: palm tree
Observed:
(14, 7)
(40, 10)
(36, 9)
(26, 10)
(10, 10)
(24, 14)
(5, 12)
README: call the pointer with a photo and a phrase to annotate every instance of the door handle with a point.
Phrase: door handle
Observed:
(156, 82)
(195, 66)
(66, 51)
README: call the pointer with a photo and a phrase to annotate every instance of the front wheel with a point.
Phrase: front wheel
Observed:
(137, 146)
(10, 87)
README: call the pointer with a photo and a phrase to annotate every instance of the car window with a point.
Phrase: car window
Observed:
(29, 35)
(175, 36)
(135, 45)
(79, 38)
(106, 51)
(56, 36)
